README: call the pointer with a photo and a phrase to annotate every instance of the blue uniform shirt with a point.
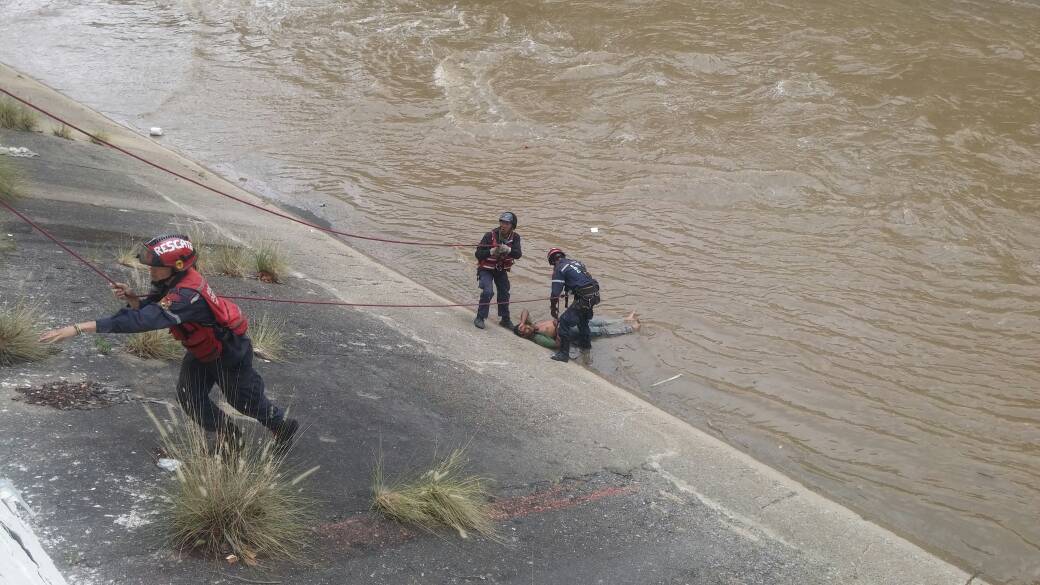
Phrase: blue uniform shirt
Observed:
(185, 306)
(569, 274)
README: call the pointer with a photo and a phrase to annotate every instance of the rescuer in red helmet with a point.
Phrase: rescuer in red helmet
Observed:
(212, 329)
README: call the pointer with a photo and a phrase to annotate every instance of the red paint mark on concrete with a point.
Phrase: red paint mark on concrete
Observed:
(551, 500)
(366, 531)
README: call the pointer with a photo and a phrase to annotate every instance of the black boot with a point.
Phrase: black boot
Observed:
(564, 355)
(506, 322)
(284, 432)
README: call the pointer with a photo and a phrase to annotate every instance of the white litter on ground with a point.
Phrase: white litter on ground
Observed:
(675, 377)
(18, 151)
(168, 464)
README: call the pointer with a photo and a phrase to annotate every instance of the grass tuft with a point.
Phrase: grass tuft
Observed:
(15, 117)
(20, 335)
(154, 345)
(240, 500)
(270, 262)
(126, 254)
(228, 260)
(268, 337)
(62, 131)
(10, 180)
(442, 496)
(100, 137)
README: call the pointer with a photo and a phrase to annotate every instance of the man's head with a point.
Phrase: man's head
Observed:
(166, 255)
(507, 222)
(554, 256)
(525, 330)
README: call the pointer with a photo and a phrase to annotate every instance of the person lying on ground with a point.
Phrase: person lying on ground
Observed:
(546, 332)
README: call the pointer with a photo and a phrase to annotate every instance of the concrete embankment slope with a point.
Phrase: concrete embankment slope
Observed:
(594, 484)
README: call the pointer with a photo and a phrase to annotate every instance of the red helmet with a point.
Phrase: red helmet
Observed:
(553, 252)
(172, 251)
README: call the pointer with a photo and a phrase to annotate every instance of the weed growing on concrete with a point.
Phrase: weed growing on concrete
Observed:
(268, 337)
(10, 180)
(20, 335)
(100, 137)
(102, 345)
(154, 345)
(232, 499)
(62, 132)
(15, 117)
(442, 496)
(126, 255)
(228, 260)
(269, 261)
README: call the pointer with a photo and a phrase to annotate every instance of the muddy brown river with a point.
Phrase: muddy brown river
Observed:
(826, 213)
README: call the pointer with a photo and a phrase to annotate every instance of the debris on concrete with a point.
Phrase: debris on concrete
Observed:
(66, 395)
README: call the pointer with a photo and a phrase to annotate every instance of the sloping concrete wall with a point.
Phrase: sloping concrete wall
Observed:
(22, 559)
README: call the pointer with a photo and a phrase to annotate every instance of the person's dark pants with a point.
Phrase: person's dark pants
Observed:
(242, 386)
(576, 320)
(488, 280)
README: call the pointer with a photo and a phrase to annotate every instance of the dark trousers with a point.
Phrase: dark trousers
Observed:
(500, 280)
(576, 320)
(241, 384)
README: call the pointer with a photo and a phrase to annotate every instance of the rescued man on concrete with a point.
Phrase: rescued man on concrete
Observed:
(546, 332)
(495, 254)
(212, 329)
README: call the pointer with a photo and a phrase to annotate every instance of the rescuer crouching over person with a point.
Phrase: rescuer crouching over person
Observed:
(572, 277)
(212, 329)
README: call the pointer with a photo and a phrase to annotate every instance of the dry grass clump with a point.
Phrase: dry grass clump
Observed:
(154, 345)
(442, 496)
(100, 137)
(238, 501)
(20, 335)
(228, 260)
(10, 180)
(62, 132)
(15, 117)
(268, 337)
(269, 261)
(126, 254)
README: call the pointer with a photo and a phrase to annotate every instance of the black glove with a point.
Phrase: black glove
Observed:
(554, 307)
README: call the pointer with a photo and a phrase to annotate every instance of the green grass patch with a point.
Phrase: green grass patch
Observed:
(241, 501)
(20, 335)
(102, 345)
(268, 337)
(442, 497)
(154, 345)
(62, 131)
(269, 262)
(14, 116)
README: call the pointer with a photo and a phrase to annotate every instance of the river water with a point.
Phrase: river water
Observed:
(826, 213)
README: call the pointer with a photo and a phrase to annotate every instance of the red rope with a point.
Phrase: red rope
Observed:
(228, 195)
(57, 241)
(100, 273)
